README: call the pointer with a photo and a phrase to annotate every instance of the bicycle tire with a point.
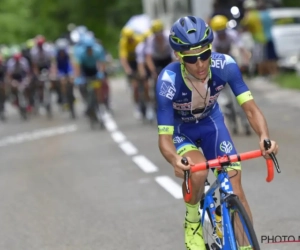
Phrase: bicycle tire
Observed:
(207, 232)
(235, 203)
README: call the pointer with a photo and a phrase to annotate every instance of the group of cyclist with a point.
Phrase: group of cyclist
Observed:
(41, 65)
(142, 57)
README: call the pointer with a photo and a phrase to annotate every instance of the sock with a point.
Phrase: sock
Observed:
(192, 212)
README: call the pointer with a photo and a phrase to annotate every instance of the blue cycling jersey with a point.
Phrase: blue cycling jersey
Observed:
(90, 61)
(63, 63)
(174, 108)
(174, 97)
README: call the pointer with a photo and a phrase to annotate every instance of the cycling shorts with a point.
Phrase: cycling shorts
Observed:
(89, 71)
(133, 65)
(63, 73)
(210, 134)
(161, 63)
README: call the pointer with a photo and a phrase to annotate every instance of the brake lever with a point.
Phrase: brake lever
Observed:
(184, 161)
(267, 145)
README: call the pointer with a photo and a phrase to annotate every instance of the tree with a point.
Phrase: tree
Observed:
(24, 19)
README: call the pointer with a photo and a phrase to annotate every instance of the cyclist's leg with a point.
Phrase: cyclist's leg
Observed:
(62, 82)
(106, 92)
(193, 231)
(217, 142)
(135, 88)
(2, 95)
(147, 95)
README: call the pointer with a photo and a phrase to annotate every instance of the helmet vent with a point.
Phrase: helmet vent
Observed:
(191, 31)
(207, 32)
(193, 19)
(181, 22)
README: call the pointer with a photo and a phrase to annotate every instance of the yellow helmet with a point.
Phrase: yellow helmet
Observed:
(147, 34)
(30, 43)
(127, 32)
(157, 26)
(218, 22)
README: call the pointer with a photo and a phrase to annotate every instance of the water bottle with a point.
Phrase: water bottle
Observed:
(219, 222)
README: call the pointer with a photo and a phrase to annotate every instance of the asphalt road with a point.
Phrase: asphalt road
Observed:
(66, 187)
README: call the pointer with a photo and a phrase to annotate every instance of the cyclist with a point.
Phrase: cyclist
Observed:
(18, 74)
(189, 116)
(158, 50)
(2, 88)
(144, 74)
(127, 45)
(41, 56)
(64, 74)
(224, 41)
(105, 84)
(89, 63)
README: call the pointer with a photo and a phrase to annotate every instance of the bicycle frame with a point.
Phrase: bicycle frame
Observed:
(225, 188)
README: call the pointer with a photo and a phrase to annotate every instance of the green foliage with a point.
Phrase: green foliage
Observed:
(24, 19)
(288, 80)
(291, 3)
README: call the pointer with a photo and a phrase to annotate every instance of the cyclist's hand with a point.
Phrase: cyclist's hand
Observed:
(272, 149)
(179, 167)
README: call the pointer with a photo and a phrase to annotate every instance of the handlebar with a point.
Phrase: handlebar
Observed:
(222, 161)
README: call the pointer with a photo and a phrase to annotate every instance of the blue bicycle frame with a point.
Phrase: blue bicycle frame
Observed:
(228, 241)
(227, 197)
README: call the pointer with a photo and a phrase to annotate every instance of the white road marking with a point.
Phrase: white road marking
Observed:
(118, 136)
(128, 148)
(109, 123)
(140, 160)
(37, 134)
(170, 185)
(145, 164)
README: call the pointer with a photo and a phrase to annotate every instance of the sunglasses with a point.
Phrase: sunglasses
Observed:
(193, 58)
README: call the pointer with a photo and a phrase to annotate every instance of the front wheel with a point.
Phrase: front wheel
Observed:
(242, 226)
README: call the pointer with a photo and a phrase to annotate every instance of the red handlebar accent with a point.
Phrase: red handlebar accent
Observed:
(227, 159)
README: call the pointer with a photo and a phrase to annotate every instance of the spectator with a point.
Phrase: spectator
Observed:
(252, 23)
(270, 52)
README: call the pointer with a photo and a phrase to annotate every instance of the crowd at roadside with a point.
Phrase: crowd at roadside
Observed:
(258, 23)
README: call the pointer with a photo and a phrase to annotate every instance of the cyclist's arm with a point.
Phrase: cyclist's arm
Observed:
(9, 69)
(35, 67)
(148, 56)
(26, 67)
(245, 99)
(150, 64)
(140, 59)
(33, 61)
(53, 66)
(165, 120)
(123, 55)
(76, 65)
(101, 60)
(256, 119)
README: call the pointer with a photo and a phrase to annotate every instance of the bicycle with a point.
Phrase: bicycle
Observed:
(19, 91)
(66, 89)
(223, 234)
(47, 87)
(22, 101)
(94, 112)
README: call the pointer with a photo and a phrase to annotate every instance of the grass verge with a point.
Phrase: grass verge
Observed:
(288, 80)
